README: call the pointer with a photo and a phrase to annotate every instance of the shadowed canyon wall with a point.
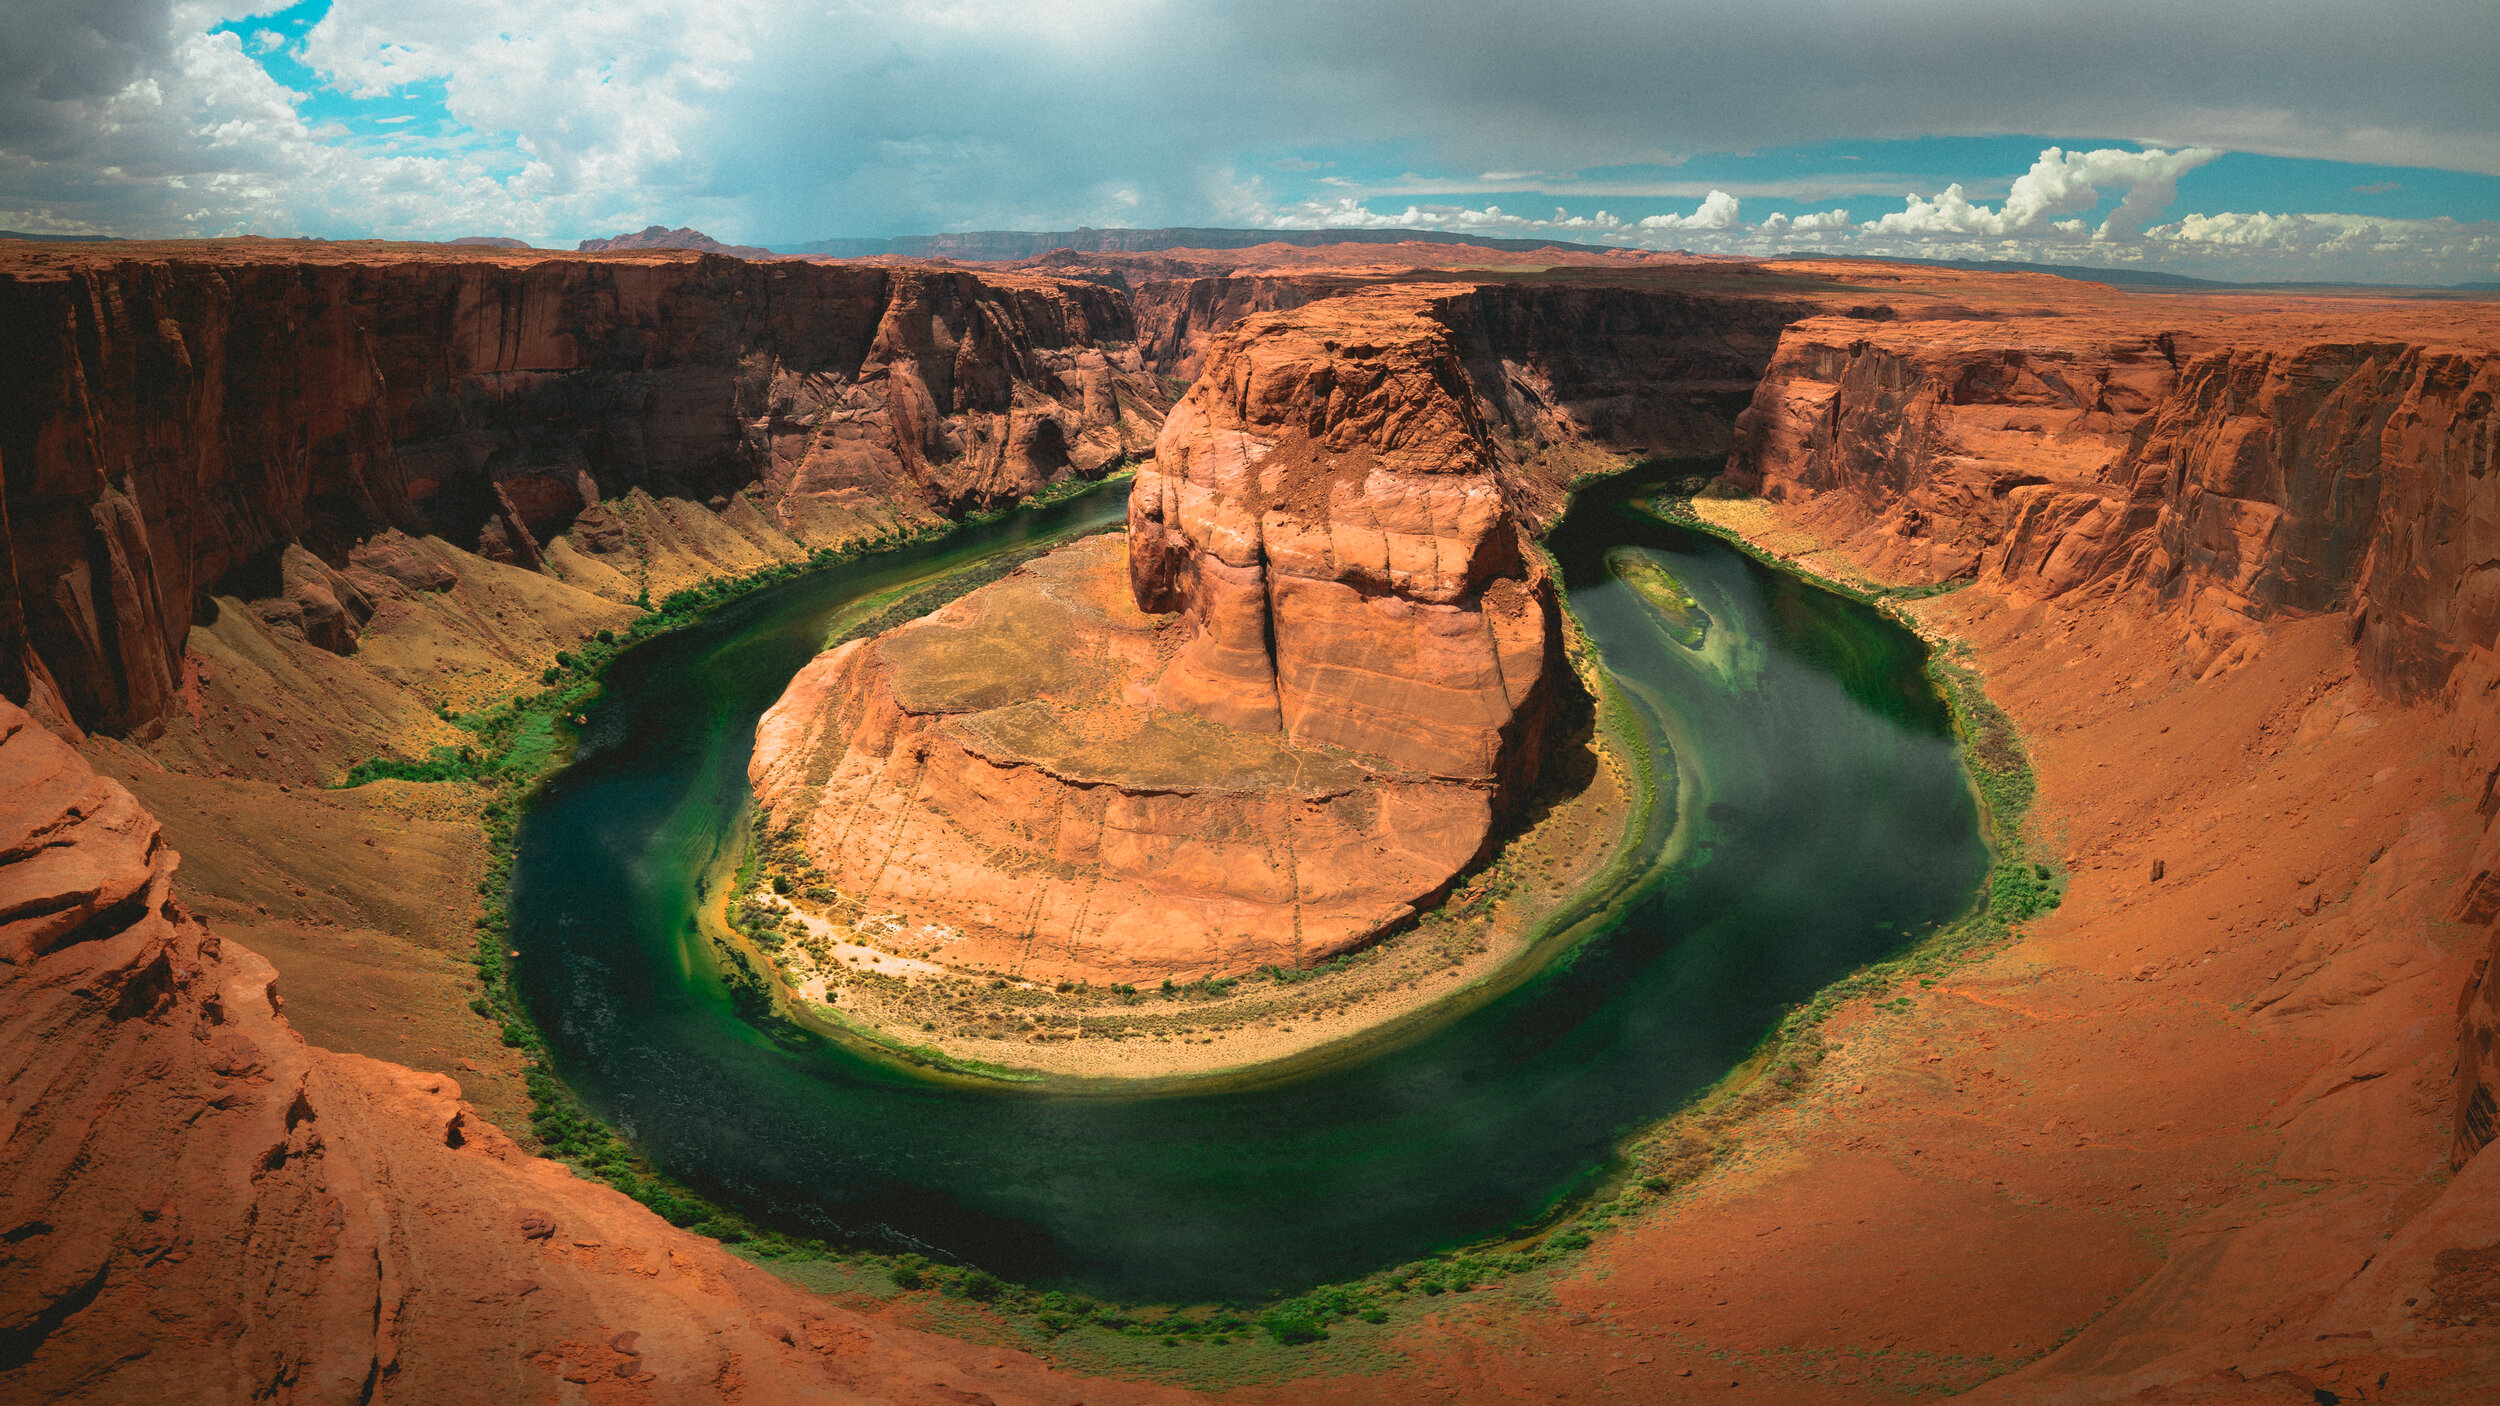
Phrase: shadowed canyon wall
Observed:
(177, 428)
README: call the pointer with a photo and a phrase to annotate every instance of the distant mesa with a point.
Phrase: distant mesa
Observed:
(59, 238)
(491, 241)
(656, 237)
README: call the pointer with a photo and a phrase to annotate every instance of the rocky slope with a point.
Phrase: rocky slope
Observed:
(243, 422)
(2230, 473)
(200, 1207)
(2300, 496)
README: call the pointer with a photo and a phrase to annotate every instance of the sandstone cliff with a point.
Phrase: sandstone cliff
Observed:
(1000, 769)
(211, 424)
(2233, 472)
(201, 1207)
(1323, 674)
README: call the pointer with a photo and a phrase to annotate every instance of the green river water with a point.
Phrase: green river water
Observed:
(1812, 816)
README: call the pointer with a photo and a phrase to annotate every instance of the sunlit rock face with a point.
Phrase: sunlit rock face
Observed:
(1325, 509)
(1002, 769)
(1285, 709)
(2223, 473)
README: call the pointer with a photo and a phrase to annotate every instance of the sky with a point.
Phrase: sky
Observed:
(2238, 139)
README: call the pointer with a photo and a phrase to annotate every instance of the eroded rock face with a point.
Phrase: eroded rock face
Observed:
(1001, 769)
(2226, 471)
(197, 1206)
(174, 427)
(2238, 469)
(1325, 508)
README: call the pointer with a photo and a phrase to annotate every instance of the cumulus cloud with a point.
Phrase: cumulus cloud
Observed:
(2288, 244)
(1813, 222)
(1718, 211)
(2060, 183)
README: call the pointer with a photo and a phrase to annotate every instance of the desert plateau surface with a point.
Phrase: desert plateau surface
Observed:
(1284, 824)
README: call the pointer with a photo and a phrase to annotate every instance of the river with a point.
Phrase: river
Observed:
(1824, 821)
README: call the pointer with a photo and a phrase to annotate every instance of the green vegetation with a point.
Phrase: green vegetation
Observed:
(441, 764)
(1678, 509)
(1679, 614)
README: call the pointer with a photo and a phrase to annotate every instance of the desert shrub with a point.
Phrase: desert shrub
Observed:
(440, 764)
(2020, 891)
(1293, 1324)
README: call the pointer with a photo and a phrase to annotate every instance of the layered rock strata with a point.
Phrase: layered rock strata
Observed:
(2232, 474)
(244, 423)
(1001, 769)
(198, 1206)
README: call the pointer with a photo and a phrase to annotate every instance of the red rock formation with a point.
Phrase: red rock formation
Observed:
(2240, 468)
(174, 425)
(1324, 506)
(2230, 475)
(994, 769)
(197, 1206)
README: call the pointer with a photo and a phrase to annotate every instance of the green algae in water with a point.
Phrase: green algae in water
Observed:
(1678, 613)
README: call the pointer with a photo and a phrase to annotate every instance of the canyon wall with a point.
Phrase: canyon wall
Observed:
(198, 1206)
(2234, 473)
(1305, 685)
(1645, 360)
(179, 428)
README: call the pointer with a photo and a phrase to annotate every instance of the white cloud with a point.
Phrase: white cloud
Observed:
(2296, 246)
(774, 119)
(2059, 183)
(1718, 211)
(1813, 222)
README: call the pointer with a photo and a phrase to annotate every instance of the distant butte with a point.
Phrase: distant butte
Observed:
(660, 237)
